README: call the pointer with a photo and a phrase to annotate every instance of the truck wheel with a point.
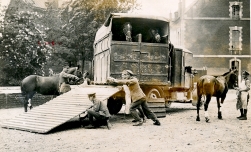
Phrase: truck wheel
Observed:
(114, 105)
(155, 93)
(168, 104)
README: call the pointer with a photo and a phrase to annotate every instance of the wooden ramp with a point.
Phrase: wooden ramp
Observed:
(59, 110)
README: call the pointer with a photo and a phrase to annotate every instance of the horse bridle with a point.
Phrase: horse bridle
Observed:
(127, 31)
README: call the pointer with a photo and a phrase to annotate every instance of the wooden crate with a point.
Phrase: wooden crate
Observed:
(157, 106)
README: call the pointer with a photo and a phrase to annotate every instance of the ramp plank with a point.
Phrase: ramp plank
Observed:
(59, 110)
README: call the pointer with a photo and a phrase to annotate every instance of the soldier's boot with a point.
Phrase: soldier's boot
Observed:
(244, 115)
(241, 110)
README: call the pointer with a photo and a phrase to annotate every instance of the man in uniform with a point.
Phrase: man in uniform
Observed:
(137, 95)
(243, 95)
(64, 80)
(99, 110)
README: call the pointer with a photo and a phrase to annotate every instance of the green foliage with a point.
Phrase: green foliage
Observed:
(34, 37)
(82, 18)
(24, 52)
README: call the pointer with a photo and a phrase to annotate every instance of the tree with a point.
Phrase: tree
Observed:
(32, 37)
(81, 20)
(24, 47)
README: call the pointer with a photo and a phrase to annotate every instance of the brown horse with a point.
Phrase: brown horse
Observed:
(209, 86)
(44, 85)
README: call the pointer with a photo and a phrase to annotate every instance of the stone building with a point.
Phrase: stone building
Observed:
(217, 32)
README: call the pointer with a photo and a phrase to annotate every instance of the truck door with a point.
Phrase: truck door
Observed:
(124, 56)
(153, 62)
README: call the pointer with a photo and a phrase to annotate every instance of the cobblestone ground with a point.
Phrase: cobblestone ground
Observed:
(179, 131)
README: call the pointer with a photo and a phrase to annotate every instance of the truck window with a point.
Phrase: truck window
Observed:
(145, 27)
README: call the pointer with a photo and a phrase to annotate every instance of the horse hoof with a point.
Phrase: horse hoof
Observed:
(219, 115)
(198, 119)
(207, 120)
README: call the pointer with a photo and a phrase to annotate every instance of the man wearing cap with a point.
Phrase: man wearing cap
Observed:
(243, 95)
(99, 110)
(137, 95)
(64, 77)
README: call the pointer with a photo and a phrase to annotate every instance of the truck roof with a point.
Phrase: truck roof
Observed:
(130, 15)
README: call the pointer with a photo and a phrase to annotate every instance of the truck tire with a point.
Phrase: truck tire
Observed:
(114, 105)
(168, 104)
(154, 93)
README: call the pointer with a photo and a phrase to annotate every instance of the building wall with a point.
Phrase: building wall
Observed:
(204, 29)
(211, 37)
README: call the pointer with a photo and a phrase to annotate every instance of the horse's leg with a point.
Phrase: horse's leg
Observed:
(29, 99)
(198, 107)
(219, 106)
(25, 103)
(206, 107)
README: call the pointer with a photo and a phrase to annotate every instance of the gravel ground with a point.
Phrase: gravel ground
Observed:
(179, 131)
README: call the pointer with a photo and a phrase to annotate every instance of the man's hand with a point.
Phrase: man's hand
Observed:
(110, 80)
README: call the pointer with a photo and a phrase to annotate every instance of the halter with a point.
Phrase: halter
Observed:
(127, 31)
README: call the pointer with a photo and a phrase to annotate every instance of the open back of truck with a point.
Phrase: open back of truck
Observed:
(113, 54)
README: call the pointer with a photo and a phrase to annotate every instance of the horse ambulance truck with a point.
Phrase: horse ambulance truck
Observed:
(163, 70)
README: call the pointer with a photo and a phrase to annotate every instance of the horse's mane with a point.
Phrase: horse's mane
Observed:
(226, 73)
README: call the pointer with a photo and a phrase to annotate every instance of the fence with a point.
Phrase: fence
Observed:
(14, 100)
(10, 97)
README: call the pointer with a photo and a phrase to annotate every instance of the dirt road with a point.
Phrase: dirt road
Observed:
(178, 132)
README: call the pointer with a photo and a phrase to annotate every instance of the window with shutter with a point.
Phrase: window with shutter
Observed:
(235, 9)
(235, 40)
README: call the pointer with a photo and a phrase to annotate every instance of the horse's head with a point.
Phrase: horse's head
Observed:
(232, 77)
(127, 30)
(155, 35)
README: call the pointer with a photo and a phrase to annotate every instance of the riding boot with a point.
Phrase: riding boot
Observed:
(244, 115)
(156, 122)
(241, 110)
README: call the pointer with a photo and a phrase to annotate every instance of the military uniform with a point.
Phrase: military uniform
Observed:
(64, 85)
(100, 111)
(138, 98)
(243, 96)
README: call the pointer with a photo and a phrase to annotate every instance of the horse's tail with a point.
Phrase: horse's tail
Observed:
(23, 92)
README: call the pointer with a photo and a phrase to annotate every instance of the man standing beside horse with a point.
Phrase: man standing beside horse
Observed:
(243, 95)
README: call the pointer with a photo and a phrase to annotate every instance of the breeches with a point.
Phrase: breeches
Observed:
(64, 88)
(141, 102)
(244, 99)
(96, 115)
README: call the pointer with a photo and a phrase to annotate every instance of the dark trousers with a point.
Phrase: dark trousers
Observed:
(99, 118)
(141, 102)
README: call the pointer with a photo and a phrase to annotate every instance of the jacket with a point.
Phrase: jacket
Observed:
(100, 107)
(133, 85)
(64, 81)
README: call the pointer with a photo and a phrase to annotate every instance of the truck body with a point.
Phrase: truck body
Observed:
(163, 70)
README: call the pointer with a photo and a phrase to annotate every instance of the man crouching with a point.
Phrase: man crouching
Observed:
(99, 110)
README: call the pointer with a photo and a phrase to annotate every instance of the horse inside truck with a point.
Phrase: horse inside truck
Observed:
(141, 44)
